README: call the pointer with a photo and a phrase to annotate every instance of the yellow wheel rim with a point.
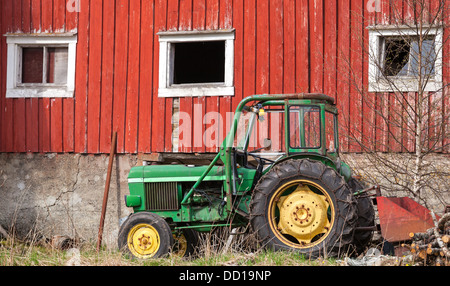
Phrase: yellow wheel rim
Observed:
(302, 214)
(143, 241)
(180, 246)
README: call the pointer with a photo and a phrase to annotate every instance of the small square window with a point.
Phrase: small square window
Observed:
(37, 71)
(394, 59)
(57, 65)
(41, 66)
(32, 65)
(402, 57)
(199, 62)
(196, 63)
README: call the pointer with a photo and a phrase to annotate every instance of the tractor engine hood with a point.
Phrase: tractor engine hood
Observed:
(174, 173)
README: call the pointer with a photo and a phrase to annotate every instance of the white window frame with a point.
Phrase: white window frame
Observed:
(166, 64)
(15, 43)
(377, 83)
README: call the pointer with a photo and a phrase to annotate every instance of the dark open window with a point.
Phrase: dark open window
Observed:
(32, 65)
(199, 62)
(402, 56)
(44, 65)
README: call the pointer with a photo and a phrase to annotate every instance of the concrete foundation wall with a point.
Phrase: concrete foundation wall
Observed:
(394, 173)
(43, 195)
(62, 194)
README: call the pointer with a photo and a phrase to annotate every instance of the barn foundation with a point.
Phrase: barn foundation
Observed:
(44, 195)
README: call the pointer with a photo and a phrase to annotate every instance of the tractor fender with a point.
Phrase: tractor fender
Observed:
(342, 168)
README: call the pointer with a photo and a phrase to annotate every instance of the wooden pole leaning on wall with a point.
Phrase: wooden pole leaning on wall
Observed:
(105, 196)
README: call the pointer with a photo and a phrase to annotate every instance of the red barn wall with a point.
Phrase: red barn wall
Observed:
(281, 46)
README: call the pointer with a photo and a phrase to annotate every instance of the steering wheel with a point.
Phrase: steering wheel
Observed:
(260, 158)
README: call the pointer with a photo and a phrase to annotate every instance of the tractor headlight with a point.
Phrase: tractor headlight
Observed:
(132, 201)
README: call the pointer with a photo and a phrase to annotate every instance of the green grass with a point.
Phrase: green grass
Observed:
(212, 251)
(37, 254)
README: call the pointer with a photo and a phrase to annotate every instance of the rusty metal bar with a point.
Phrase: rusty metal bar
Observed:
(105, 196)
(376, 188)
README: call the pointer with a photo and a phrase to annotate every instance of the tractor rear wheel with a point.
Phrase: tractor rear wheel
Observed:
(366, 218)
(186, 243)
(305, 206)
(145, 235)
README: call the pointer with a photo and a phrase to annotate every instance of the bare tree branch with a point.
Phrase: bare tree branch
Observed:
(414, 121)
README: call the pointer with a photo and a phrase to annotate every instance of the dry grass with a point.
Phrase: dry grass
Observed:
(213, 251)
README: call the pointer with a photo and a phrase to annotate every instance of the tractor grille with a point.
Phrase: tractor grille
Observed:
(162, 196)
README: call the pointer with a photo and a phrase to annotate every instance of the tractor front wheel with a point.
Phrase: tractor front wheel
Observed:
(145, 235)
(305, 206)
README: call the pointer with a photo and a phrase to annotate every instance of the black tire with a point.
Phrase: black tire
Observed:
(145, 235)
(322, 182)
(366, 217)
(185, 243)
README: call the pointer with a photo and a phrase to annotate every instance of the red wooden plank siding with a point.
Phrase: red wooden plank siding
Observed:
(59, 15)
(394, 131)
(95, 71)
(238, 25)
(369, 98)
(276, 48)
(330, 44)
(19, 104)
(56, 105)
(171, 25)
(7, 108)
(225, 22)
(316, 44)
(81, 78)
(263, 52)
(185, 109)
(211, 119)
(132, 104)
(281, 46)
(330, 52)
(158, 107)
(34, 102)
(2, 74)
(15, 108)
(198, 128)
(445, 94)
(356, 75)
(146, 77)
(302, 48)
(45, 103)
(3, 58)
(120, 72)
(71, 24)
(107, 77)
(446, 91)
(262, 47)
(249, 55)
(435, 99)
(381, 100)
(31, 23)
(289, 46)
(250, 43)
(343, 87)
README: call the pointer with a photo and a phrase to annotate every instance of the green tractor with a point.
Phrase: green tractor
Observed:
(292, 191)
